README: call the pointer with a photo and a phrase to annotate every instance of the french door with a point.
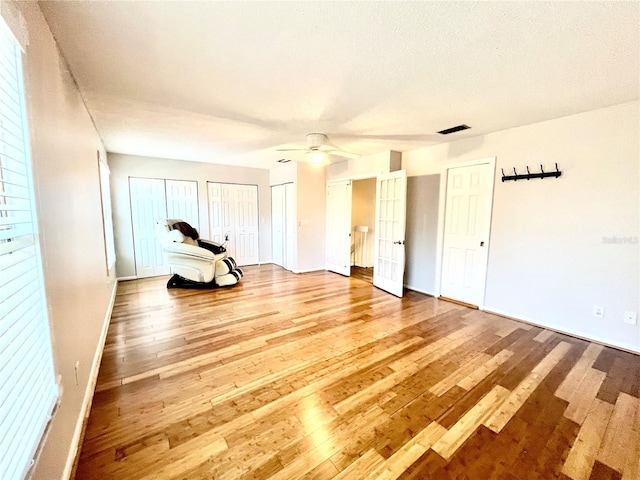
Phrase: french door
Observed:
(389, 248)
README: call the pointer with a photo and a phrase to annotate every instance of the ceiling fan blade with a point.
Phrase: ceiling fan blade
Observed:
(291, 149)
(342, 153)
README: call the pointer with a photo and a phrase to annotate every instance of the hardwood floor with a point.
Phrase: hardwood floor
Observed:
(319, 376)
(365, 274)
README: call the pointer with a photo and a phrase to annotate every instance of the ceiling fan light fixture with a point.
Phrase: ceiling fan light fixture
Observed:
(318, 157)
(316, 140)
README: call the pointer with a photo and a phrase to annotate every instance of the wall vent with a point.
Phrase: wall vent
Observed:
(454, 129)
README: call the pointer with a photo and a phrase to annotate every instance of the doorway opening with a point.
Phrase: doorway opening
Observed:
(363, 211)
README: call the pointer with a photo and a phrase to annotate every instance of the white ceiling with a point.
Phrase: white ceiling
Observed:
(228, 82)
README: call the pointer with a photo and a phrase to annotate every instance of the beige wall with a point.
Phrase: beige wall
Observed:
(550, 261)
(64, 146)
(125, 166)
(310, 212)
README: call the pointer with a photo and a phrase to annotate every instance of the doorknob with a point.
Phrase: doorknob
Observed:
(399, 242)
(482, 244)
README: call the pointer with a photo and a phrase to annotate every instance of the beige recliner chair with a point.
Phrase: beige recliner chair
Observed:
(195, 262)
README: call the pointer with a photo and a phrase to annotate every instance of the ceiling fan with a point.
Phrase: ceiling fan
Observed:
(319, 147)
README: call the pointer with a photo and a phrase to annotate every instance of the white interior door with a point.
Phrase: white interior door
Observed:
(233, 215)
(467, 223)
(182, 201)
(246, 225)
(338, 240)
(391, 207)
(290, 227)
(283, 225)
(278, 224)
(220, 211)
(148, 205)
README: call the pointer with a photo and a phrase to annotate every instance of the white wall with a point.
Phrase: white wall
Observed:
(550, 260)
(125, 166)
(286, 173)
(310, 206)
(421, 233)
(64, 146)
(364, 167)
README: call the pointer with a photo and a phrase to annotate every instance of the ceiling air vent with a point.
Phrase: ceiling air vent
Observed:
(454, 129)
(284, 160)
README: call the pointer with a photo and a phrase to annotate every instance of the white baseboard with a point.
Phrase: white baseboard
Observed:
(567, 331)
(419, 290)
(91, 385)
(130, 277)
(309, 270)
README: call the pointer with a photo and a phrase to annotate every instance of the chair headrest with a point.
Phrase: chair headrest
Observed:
(165, 232)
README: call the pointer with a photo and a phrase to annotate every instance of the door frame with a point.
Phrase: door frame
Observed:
(444, 173)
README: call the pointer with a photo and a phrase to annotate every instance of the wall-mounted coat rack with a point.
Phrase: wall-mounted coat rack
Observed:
(529, 175)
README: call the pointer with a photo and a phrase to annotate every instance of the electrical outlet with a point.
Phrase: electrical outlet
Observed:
(598, 311)
(630, 317)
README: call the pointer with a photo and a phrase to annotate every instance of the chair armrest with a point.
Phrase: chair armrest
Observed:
(188, 250)
(210, 242)
(216, 248)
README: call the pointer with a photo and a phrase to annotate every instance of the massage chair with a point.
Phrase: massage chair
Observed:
(195, 262)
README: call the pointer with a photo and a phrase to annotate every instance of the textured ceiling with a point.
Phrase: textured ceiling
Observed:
(228, 82)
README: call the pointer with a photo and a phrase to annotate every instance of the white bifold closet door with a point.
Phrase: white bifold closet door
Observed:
(283, 225)
(233, 218)
(153, 199)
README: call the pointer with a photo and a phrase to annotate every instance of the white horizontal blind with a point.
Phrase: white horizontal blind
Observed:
(28, 390)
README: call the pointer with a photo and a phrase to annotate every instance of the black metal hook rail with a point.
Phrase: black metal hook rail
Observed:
(528, 176)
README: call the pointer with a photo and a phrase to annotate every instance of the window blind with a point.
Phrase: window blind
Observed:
(28, 389)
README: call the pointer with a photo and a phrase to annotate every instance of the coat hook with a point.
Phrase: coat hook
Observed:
(557, 167)
(528, 173)
(541, 169)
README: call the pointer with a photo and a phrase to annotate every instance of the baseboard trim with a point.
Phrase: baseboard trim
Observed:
(309, 270)
(78, 434)
(130, 277)
(459, 302)
(419, 290)
(566, 331)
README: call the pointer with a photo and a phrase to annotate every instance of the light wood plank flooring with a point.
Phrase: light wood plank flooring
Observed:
(319, 376)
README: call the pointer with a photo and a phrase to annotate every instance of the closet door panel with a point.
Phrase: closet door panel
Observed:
(278, 224)
(182, 201)
(233, 218)
(148, 205)
(246, 224)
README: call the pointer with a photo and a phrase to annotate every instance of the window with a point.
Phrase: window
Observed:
(28, 389)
